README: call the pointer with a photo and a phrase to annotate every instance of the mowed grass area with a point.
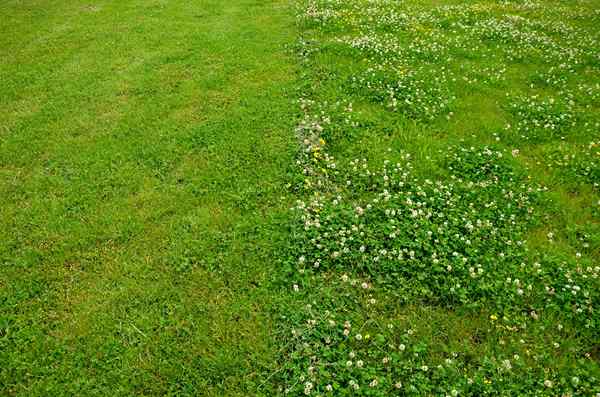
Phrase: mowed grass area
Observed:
(143, 151)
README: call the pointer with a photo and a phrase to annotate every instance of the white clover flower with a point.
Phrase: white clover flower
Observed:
(548, 383)
(329, 388)
(308, 386)
(359, 363)
(296, 288)
(385, 360)
(534, 315)
(401, 347)
(348, 363)
(373, 383)
(358, 337)
(398, 385)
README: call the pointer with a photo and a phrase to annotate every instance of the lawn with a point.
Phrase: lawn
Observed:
(300, 197)
(144, 147)
(447, 233)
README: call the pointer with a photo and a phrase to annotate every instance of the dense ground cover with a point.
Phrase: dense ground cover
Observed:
(143, 151)
(424, 220)
(447, 239)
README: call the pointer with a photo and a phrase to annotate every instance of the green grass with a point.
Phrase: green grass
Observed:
(443, 175)
(461, 189)
(143, 151)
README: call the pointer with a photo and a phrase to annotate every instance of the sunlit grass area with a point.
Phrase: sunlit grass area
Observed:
(446, 236)
(143, 151)
(312, 197)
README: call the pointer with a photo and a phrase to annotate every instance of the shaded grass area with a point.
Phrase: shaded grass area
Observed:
(143, 145)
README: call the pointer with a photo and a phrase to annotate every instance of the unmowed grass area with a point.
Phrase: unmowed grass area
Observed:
(446, 235)
(143, 153)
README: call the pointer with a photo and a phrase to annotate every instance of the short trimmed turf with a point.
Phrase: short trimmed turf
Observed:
(143, 147)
